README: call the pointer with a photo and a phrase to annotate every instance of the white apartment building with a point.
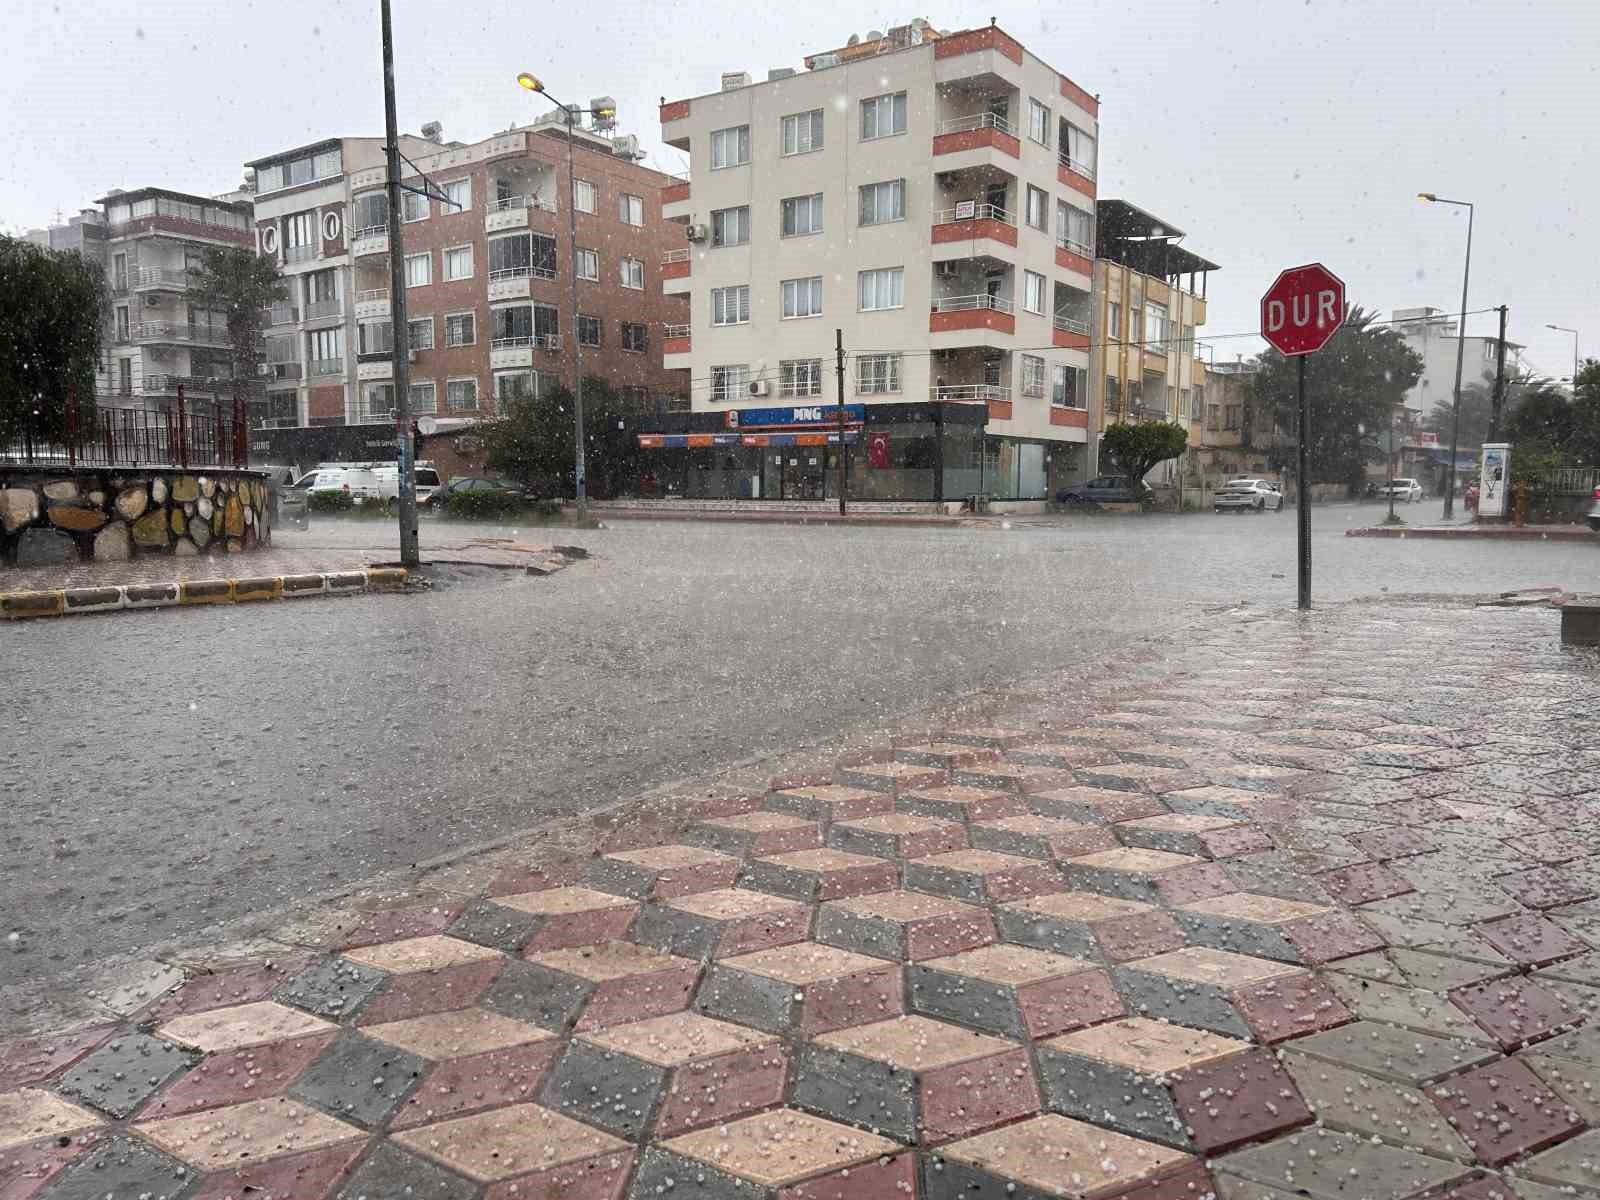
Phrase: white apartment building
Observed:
(1431, 332)
(932, 196)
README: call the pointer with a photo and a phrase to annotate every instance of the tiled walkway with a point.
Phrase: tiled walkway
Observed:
(1309, 911)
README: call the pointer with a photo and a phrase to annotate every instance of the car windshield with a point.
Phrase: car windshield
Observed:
(427, 477)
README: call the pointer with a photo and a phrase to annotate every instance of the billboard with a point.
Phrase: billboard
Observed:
(1492, 478)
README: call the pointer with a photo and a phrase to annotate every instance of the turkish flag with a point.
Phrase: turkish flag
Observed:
(878, 450)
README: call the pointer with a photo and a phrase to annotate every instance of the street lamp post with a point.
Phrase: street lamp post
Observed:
(1461, 345)
(1574, 333)
(533, 83)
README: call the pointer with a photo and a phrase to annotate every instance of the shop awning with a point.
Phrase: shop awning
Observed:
(702, 441)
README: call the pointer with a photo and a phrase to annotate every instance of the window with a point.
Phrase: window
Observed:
(325, 350)
(1032, 375)
(1113, 394)
(1135, 324)
(730, 382)
(730, 226)
(730, 305)
(1075, 228)
(419, 333)
(802, 215)
(877, 374)
(322, 288)
(802, 132)
(119, 270)
(630, 209)
(377, 402)
(374, 337)
(125, 377)
(1070, 388)
(1033, 292)
(424, 398)
(1211, 416)
(1038, 122)
(882, 202)
(459, 192)
(631, 271)
(800, 377)
(413, 207)
(1114, 320)
(585, 196)
(515, 385)
(730, 147)
(122, 322)
(802, 297)
(511, 326)
(419, 270)
(460, 329)
(458, 262)
(521, 254)
(461, 395)
(1077, 147)
(1230, 419)
(369, 213)
(588, 264)
(635, 337)
(589, 330)
(300, 236)
(883, 116)
(1155, 327)
(1038, 210)
(883, 288)
(546, 323)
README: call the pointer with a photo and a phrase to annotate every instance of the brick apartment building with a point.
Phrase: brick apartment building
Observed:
(488, 294)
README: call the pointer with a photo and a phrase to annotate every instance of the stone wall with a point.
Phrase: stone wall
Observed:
(63, 515)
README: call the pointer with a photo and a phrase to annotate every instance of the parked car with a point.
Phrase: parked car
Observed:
(1104, 489)
(1594, 511)
(471, 483)
(1408, 490)
(1249, 495)
(294, 501)
(424, 475)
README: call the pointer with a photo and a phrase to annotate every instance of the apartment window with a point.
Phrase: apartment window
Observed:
(1211, 416)
(511, 386)
(374, 337)
(322, 288)
(325, 350)
(413, 207)
(1032, 375)
(631, 271)
(369, 213)
(1070, 387)
(1135, 324)
(460, 329)
(800, 377)
(1075, 228)
(589, 330)
(511, 325)
(635, 336)
(802, 215)
(424, 398)
(630, 209)
(589, 264)
(1113, 394)
(1155, 327)
(730, 147)
(300, 236)
(459, 193)
(1230, 418)
(458, 262)
(1114, 320)
(461, 395)
(730, 382)
(585, 196)
(1078, 147)
(1033, 292)
(802, 297)
(1037, 212)
(882, 202)
(883, 116)
(419, 270)
(730, 305)
(377, 402)
(546, 323)
(730, 226)
(119, 270)
(877, 374)
(1038, 122)
(122, 322)
(883, 288)
(125, 377)
(802, 132)
(419, 333)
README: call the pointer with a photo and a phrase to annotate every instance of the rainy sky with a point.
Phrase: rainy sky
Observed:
(1274, 132)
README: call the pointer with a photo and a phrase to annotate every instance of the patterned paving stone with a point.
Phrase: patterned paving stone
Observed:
(424, 992)
(494, 925)
(662, 872)
(359, 1079)
(995, 737)
(544, 1152)
(1094, 805)
(619, 981)
(746, 835)
(444, 1036)
(1015, 777)
(1408, 1007)
(1574, 1164)
(1197, 986)
(1545, 887)
(334, 987)
(903, 926)
(1147, 875)
(1194, 834)
(25, 1170)
(1141, 777)
(32, 1059)
(1514, 1011)
(1504, 1111)
(888, 776)
(722, 923)
(1040, 837)
(1061, 754)
(470, 1083)
(944, 755)
(572, 916)
(1363, 883)
(1442, 972)
(389, 1173)
(431, 953)
(224, 989)
(1323, 1163)
(666, 1075)
(781, 1155)
(1288, 930)
(309, 1176)
(30, 1114)
(1279, 1009)
(897, 835)
(119, 1167)
(1260, 777)
(1444, 902)
(961, 803)
(396, 924)
(1389, 1052)
(1084, 924)
(982, 876)
(1384, 844)
(1013, 991)
(251, 1132)
(830, 802)
(824, 874)
(1363, 1104)
(1055, 1156)
(125, 1072)
(240, 1026)
(235, 1076)
(1213, 801)
(1415, 933)
(1573, 1082)
(915, 1079)
(804, 989)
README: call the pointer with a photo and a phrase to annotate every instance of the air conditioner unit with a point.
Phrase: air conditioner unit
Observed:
(760, 387)
(947, 270)
(698, 233)
(151, 300)
(551, 341)
(411, 356)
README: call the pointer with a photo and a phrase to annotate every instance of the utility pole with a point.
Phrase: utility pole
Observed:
(1498, 402)
(400, 343)
(580, 484)
(838, 352)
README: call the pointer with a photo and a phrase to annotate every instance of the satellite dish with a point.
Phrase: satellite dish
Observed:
(427, 426)
(853, 40)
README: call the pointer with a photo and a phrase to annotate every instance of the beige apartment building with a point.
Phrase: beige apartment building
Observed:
(929, 194)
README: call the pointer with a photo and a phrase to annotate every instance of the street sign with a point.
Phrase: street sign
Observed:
(1302, 309)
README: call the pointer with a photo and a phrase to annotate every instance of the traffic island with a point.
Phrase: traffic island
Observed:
(116, 598)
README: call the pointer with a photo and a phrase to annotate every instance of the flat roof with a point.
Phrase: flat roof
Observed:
(298, 151)
(168, 193)
(1137, 238)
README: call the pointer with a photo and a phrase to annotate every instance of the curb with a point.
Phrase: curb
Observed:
(1479, 533)
(65, 602)
(782, 518)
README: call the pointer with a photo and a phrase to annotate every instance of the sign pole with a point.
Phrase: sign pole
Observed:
(1304, 491)
(838, 351)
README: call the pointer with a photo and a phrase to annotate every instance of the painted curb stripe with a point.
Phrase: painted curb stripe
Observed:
(23, 605)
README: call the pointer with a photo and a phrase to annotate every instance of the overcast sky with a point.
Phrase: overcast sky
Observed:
(1273, 132)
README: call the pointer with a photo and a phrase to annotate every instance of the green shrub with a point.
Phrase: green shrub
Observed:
(330, 502)
(478, 506)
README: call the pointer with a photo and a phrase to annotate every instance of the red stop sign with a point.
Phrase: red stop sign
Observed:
(1302, 309)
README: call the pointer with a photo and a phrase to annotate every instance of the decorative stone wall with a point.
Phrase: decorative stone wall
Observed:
(104, 514)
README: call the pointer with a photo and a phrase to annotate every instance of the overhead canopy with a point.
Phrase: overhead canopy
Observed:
(1144, 242)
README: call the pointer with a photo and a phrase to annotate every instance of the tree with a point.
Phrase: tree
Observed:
(531, 439)
(1477, 404)
(1138, 449)
(54, 307)
(240, 284)
(1353, 386)
(1543, 415)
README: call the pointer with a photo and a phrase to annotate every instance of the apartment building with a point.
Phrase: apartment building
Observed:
(488, 279)
(151, 240)
(929, 194)
(85, 233)
(1432, 333)
(1150, 297)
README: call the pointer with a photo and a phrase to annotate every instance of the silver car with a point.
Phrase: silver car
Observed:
(1408, 490)
(1249, 495)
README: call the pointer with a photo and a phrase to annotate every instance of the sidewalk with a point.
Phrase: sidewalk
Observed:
(1480, 533)
(1301, 905)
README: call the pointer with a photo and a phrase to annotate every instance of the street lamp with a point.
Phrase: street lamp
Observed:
(532, 83)
(1574, 333)
(1461, 345)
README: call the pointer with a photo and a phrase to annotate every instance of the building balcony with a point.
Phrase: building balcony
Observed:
(282, 314)
(675, 200)
(281, 372)
(512, 283)
(971, 221)
(325, 366)
(511, 212)
(675, 339)
(981, 311)
(1076, 175)
(321, 310)
(168, 385)
(976, 132)
(300, 254)
(374, 239)
(505, 352)
(1069, 418)
(969, 393)
(675, 268)
(145, 279)
(1069, 332)
(374, 302)
(1075, 256)
(189, 335)
(374, 366)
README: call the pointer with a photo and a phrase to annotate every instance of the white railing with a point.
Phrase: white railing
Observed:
(969, 303)
(971, 210)
(985, 120)
(1077, 248)
(327, 366)
(673, 331)
(1076, 167)
(509, 203)
(151, 276)
(521, 273)
(795, 389)
(970, 392)
(510, 343)
(370, 231)
(372, 295)
(675, 256)
(282, 314)
(1071, 325)
(324, 308)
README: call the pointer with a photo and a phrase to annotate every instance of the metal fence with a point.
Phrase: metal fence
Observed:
(204, 434)
(1567, 481)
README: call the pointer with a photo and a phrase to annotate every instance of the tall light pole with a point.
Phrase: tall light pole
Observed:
(1574, 333)
(532, 83)
(1461, 346)
(399, 331)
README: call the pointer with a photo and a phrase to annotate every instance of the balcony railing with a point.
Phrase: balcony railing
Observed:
(510, 343)
(970, 393)
(507, 203)
(168, 384)
(327, 366)
(281, 372)
(1071, 325)
(372, 296)
(140, 277)
(971, 210)
(370, 231)
(1076, 167)
(282, 314)
(968, 303)
(986, 120)
(324, 308)
(164, 331)
(675, 256)
(522, 273)
(673, 331)
(293, 254)
(1078, 248)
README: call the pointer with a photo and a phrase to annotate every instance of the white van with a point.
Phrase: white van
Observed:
(424, 474)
